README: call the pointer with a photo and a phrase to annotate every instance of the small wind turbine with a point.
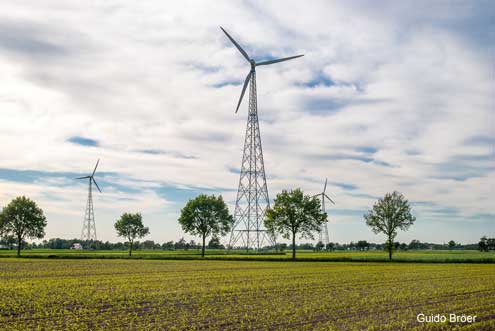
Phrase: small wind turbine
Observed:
(323, 235)
(89, 227)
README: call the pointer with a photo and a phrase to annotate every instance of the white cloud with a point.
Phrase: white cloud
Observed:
(410, 81)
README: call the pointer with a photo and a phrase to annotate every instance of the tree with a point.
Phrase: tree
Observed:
(204, 216)
(390, 214)
(282, 246)
(396, 245)
(214, 243)
(330, 246)
(362, 245)
(304, 246)
(414, 244)
(295, 213)
(22, 218)
(130, 226)
(452, 244)
(483, 244)
(491, 244)
(148, 244)
(181, 244)
(193, 245)
(319, 246)
(169, 245)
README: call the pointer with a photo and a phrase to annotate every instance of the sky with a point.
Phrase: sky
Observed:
(389, 96)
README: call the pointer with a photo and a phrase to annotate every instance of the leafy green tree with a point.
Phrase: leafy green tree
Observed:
(169, 245)
(330, 246)
(319, 246)
(452, 244)
(415, 244)
(491, 244)
(282, 246)
(181, 244)
(193, 245)
(214, 243)
(130, 226)
(295, 213)
(390, 214)
(148, 244)
(305, 246)
(396, 245)
(362, 245)
(483, 244)
(204, 216)
(22, 218)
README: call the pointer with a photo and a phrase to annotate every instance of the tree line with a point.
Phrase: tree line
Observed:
(293, 215)
(8, 242)
(59, 243)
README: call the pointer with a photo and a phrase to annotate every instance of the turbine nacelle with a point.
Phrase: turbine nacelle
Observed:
(92, 176)
(253, 64)
(324, 194)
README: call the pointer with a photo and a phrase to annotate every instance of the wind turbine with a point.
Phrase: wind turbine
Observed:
(89, 228)
(323, 235)
(252, 195)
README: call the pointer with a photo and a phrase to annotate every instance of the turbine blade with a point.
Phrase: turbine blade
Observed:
(279, 60)
(95, 167)
(325, 187)
(236, 45)
(329, 198)
(243, 90)
(82, 177)
(94, 181)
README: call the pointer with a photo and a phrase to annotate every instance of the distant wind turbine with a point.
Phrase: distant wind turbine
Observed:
(89, 228)
(323, 235)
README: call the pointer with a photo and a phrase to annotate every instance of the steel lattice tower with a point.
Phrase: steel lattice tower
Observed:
(89, 227)
(323, 234)
(252, 195)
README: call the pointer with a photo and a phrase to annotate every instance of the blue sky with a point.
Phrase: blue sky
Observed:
(389, 96)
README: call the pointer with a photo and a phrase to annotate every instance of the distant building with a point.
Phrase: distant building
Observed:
(76, 246)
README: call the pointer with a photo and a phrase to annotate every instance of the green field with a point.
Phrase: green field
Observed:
(371, 256)
(120, 294)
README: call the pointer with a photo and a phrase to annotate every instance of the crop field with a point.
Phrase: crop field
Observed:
(372, 256)
(119, 294)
